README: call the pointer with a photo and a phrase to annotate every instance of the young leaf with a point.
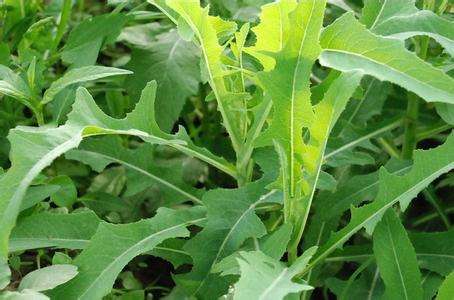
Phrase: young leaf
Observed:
(401, 19)
(14, 86)
(264, 278)
(47, 278)
(80, 75)
(207, 29)
(119, 244)
(288, 86)
(384, 58)
(69, 231)
(428, 165)
(396, 259)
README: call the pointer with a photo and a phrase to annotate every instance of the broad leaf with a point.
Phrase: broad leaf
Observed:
(119, 244)
(384, 58)
(396, 259)
(173, 63)
(86, 39)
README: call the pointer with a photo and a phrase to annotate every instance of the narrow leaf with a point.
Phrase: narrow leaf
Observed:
(396, 259)
(384, 58)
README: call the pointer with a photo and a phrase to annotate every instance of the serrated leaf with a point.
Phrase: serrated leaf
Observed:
(384, 58)
(265, 278)
(401, 19)
(428, 165)
(229, 223)
(288, 86)
(119, 244)
(69, 231)
(47, 278)
(48, 143)
(80, 75)
(396, 259)
(207, 29)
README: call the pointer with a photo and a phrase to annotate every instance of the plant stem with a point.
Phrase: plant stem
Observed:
(432, 198)
(411, 117)
(63, 23)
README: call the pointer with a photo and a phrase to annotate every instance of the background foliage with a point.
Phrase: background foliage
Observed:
(244, 149)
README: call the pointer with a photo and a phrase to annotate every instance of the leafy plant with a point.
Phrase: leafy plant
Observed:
(237, 149)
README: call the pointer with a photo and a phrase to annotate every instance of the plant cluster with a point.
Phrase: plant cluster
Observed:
(243, 149)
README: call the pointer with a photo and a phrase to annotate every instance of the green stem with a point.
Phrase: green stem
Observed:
(410, 121)
(61, 29)
(432, 198)
(411, 117)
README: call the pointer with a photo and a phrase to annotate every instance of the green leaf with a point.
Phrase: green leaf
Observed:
(396, 259)
(69, 231)
(143, 170)
(435, 250)
(78, 76)
(401, 19)
(263, 277)
(66, 196)
(447, 288)
(47, 278)
(288, 86)
(15, 86)
(207, 30)
(119, 244)
(428, 165)
(174, 64)
(87, 38)
(384, 58)
(36, 194)
(229, 223)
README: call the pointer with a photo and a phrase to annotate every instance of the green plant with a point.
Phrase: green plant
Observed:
(291, 121)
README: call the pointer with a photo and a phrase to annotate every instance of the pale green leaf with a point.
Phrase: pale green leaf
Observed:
(47, 278)
(23, 295)
(15, 86)
(264, 278)
(384, 58)
(396, 259)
